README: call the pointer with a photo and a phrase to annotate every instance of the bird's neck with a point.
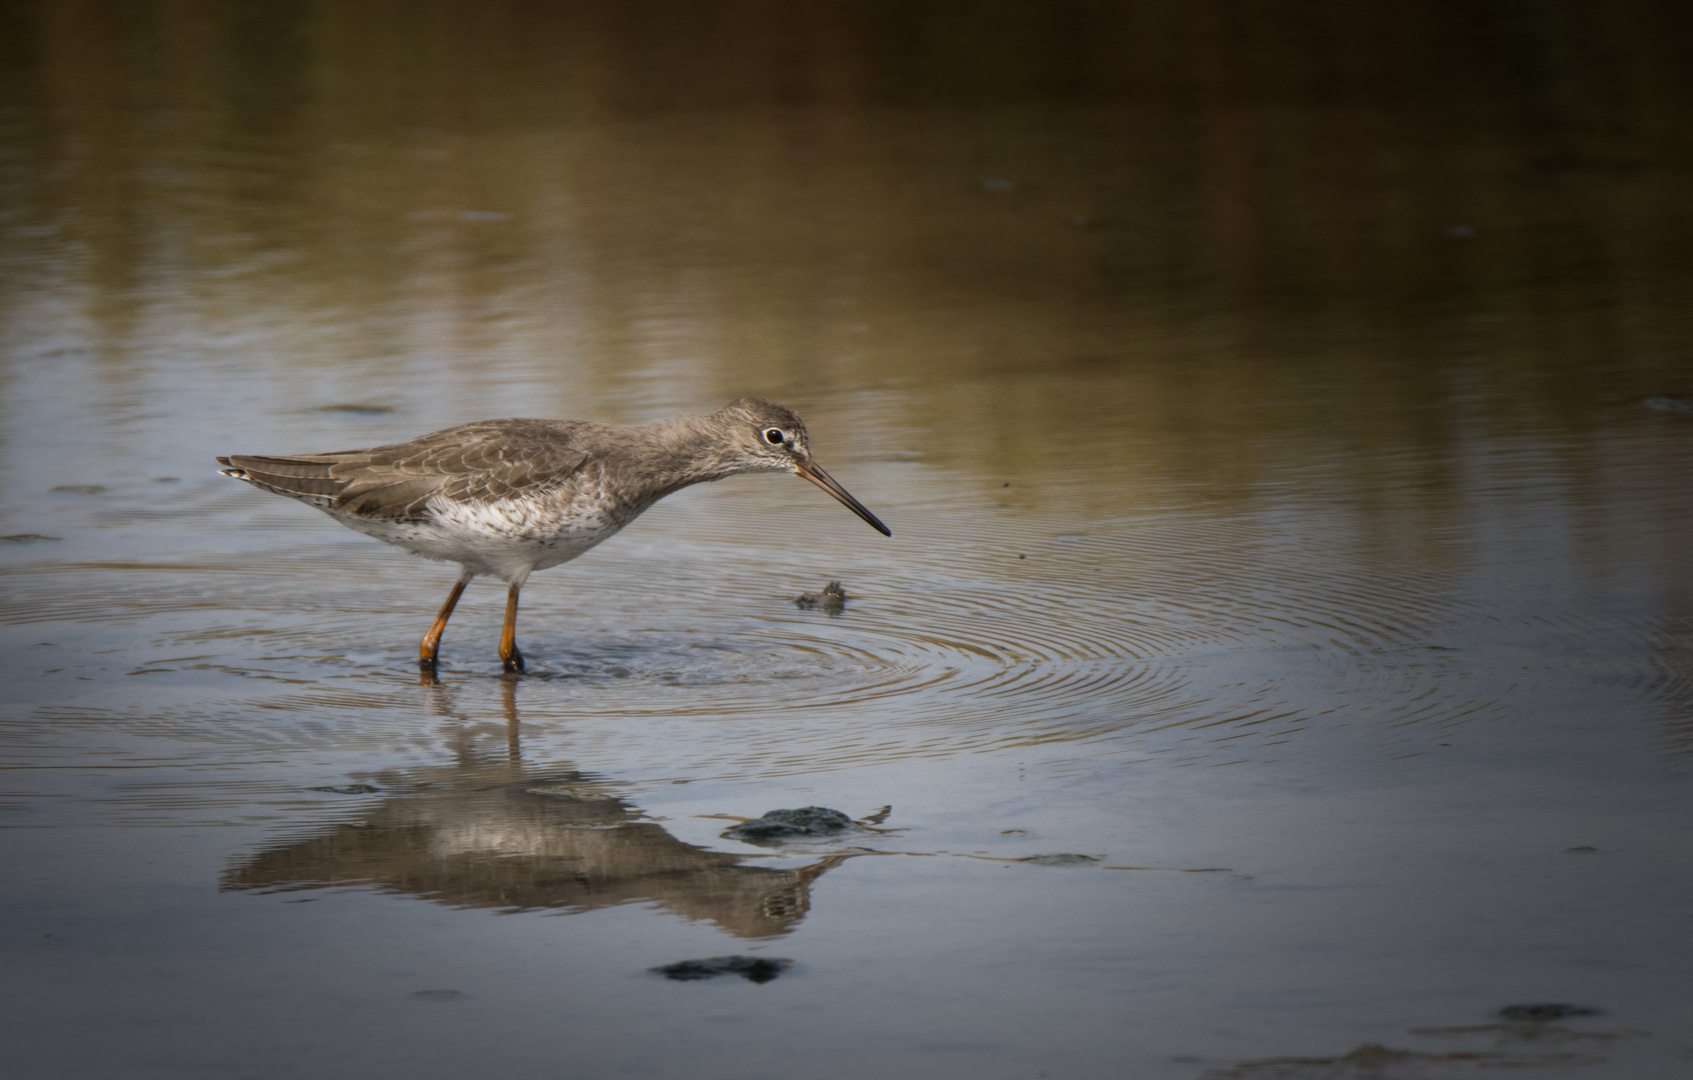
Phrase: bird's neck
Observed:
(689, 450)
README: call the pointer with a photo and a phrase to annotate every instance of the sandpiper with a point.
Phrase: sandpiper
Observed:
(505, 498)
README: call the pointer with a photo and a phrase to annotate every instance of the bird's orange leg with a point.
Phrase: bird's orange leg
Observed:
(508, 634)
(430, 647)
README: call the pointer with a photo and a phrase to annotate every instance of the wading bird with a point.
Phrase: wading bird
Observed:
(505, 498)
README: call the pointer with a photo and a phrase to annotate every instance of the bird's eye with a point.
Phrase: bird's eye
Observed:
(774, 436)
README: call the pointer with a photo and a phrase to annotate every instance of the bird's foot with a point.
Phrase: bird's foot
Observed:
(514, 662)
(426, 664)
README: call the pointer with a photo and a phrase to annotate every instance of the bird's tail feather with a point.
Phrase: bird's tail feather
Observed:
(298, 478)
(381, 494)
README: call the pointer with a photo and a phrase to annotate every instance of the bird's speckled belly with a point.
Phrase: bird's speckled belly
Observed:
(507, 538)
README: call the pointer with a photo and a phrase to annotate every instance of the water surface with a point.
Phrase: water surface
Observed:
(1281, 663)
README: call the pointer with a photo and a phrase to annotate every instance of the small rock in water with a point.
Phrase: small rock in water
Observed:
(833, 598)
(1065, 859)
(358, 408)
(779, 825)
(758, 969)
(349, 789)
(1546, 1011)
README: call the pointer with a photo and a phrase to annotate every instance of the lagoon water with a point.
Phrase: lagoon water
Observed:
(1282, 663)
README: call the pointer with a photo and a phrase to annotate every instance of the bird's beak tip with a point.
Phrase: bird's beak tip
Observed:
(809, 470)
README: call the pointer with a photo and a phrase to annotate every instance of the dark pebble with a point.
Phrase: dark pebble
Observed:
(779, 825)
(832, 598)
(1546, 1011)
(1064, 859)
(358, 409)
(756, 969)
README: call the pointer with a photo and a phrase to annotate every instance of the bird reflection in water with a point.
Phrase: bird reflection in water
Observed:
(487, 831)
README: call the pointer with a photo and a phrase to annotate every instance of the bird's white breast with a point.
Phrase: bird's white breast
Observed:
(507, 538)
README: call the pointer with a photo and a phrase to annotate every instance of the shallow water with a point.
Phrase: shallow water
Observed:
(1281, 663)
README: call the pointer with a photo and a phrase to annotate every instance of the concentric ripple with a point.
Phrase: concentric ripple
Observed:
(1154, 637)
(1205, 639)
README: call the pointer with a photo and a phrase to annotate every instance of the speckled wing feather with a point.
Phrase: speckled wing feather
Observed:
(481, 462)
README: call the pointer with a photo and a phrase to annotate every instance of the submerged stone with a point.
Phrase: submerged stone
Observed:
(758, 969)
(1063, 859)
(778, 825)
(357, 408)
(832, 599)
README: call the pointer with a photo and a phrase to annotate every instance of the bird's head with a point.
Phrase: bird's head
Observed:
(770, 438)
(766, 437)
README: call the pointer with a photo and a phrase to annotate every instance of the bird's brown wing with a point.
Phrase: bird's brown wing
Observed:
(481, 462)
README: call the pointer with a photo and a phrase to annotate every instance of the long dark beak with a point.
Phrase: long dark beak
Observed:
(827, 483)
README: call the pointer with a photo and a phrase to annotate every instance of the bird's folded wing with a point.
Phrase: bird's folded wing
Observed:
(477, 462)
